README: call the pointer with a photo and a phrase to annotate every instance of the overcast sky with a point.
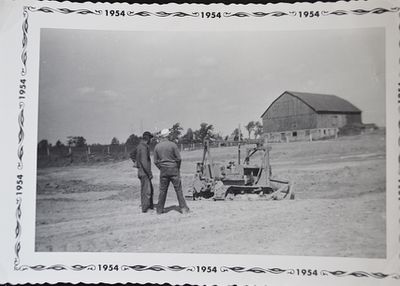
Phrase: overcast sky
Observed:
(101, 84)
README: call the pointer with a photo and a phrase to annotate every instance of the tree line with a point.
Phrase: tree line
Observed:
(204, 132)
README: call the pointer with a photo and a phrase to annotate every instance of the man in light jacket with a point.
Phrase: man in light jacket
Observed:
(168, 159)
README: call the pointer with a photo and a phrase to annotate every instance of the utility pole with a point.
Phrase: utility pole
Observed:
(240, 140)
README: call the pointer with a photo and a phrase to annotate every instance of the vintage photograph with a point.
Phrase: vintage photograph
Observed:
(215, 142)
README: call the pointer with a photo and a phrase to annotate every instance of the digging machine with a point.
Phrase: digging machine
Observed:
(216, 181)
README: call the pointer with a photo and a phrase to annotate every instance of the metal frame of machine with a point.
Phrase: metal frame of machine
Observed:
(215, 181)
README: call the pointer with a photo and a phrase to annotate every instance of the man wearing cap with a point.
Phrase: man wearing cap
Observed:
(143, 162)
(168, 159)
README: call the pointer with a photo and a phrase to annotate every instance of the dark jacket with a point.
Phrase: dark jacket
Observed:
(143, 161)
(166, 154)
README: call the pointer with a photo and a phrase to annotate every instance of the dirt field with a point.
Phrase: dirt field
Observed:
(339, 208)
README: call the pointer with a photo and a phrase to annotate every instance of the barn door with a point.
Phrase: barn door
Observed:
(283, 137)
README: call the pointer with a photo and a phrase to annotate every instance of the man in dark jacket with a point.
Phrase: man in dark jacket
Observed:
(168, 159)
(141, 156)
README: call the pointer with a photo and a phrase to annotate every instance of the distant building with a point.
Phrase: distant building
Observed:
(296, 116)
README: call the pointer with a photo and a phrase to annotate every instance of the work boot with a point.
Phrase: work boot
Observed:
(185, 210)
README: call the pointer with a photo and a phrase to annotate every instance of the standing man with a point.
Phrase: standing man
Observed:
(168, 159)
(141, 156)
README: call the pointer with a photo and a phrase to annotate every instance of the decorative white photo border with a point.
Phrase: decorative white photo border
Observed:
(389, 271)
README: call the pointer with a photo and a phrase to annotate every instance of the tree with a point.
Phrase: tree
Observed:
(114, 141)
(43, 144)
(76, 141)
(188, 138)
(250, 127)
(59, 144)
(132, 140)
(218, 137)
(237, 135)
(205, 132)
(175, 132)
(258, 129)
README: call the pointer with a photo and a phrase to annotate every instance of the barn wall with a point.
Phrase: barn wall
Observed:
(353, 119)
(337, 120)
(331, 120)
(302, 135)
(289, 113)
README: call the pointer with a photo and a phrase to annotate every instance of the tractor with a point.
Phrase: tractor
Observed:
(216, 181)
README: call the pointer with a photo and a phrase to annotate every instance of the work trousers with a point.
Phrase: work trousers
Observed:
(167, 175)
(146, 193)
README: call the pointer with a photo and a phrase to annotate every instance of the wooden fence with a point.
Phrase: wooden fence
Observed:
(64, 155)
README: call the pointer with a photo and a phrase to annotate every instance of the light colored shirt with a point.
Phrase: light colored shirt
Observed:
(166, 154)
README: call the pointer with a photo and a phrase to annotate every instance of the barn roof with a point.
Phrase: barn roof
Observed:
(322, 103)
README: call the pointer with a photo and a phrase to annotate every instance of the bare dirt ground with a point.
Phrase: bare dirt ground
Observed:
(339, 208)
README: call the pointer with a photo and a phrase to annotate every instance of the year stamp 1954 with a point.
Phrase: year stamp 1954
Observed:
(201, 144)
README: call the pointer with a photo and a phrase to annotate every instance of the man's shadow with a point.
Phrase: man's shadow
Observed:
(171, 208)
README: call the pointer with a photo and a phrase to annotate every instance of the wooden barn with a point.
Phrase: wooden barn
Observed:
(296, 116)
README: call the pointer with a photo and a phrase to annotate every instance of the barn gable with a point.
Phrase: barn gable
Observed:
(288, 112)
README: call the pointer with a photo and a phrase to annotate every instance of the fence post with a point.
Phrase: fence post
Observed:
(70, 154)
(239, 154)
